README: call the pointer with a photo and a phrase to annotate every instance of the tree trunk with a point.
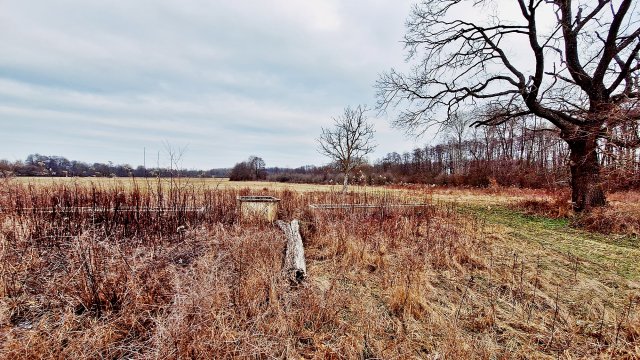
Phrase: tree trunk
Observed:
(294, 265)
(586, 187)
(345, 183)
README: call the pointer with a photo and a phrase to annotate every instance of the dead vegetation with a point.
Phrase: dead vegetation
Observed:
(170, 272)
(621, 216)
(609, 220)
(556, 205)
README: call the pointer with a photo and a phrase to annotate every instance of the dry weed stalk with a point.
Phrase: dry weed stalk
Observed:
(154, 271)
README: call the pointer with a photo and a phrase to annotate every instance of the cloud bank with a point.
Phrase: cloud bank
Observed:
(102, 80)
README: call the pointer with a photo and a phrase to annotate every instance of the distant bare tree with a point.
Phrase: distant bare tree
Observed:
(348, 142)
(257, 167)
(241, 172)
(582, 77)
(6, 169)
(251, 169)
(456, 128)
(175, 157)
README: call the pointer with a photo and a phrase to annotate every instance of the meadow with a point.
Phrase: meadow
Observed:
(150, 269)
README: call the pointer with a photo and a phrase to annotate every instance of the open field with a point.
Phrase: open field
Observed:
(476, 196)
(200, 183)
(467, 277)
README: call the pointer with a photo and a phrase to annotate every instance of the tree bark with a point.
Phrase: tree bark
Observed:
(294, 266)
(345, 183)
(586, 187)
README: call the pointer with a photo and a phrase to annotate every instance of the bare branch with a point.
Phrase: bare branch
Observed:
(464, 64)
(349, 141)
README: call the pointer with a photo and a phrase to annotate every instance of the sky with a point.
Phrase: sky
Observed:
(100, 80)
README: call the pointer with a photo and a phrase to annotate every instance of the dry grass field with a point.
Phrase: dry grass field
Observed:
(151, 183)
(103, 268)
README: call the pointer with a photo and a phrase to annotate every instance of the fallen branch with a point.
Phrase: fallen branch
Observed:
(294, 266)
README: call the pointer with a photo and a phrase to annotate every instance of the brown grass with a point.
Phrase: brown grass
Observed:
(557, 205)
(610, 220)
(621, 215)
(386, 282)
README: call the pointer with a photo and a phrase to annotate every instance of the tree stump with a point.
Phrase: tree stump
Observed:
(294, 266)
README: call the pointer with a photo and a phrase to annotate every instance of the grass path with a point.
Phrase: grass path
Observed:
(596, 255)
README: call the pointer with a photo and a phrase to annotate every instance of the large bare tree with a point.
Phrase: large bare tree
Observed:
(348, 142)
(572, 63)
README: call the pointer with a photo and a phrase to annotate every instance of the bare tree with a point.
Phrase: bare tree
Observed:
(6, 169)
(455, 129)
(251, 169)
(348, 142)
(175, 156)
(257, 167)
(582, 76)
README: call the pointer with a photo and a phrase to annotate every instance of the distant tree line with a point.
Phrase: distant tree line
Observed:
(515, 153)
(510, 154)
(58, 166)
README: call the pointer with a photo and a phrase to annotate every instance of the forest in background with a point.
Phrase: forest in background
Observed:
(511, 154)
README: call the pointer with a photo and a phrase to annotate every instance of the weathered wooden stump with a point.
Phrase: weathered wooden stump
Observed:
(294, 266)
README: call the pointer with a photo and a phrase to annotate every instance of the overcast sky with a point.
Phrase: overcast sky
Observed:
(102, 80)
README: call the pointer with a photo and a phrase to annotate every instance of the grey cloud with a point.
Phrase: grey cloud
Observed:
(230, 78)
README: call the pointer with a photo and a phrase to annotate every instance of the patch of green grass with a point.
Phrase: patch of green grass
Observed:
(598, 254)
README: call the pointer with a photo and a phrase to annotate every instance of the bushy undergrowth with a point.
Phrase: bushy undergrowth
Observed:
(557, 205)
(618, 217)
(610, 220)
(173, 272)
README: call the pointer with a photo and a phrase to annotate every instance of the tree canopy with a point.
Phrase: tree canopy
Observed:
(348, 141)
(572, 63)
